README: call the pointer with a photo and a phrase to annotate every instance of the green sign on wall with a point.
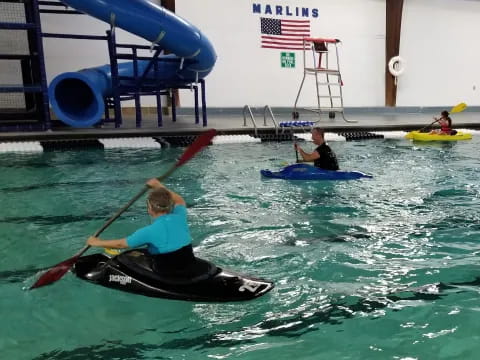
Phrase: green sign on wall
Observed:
(287, 59)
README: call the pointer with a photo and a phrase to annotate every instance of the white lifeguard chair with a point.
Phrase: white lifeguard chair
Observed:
(327, 77)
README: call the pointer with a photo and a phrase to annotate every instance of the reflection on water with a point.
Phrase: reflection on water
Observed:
(389, 263)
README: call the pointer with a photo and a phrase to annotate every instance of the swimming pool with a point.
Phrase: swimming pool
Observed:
(357, 264)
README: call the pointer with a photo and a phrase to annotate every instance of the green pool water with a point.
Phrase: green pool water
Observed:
(385, 268)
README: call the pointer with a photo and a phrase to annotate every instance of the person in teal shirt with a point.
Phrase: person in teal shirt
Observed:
(167, 238)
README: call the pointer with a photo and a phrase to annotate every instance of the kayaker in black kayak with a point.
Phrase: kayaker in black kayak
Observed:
(323, 156)
(167, 237)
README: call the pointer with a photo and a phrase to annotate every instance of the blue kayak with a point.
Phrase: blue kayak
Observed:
(309, 172)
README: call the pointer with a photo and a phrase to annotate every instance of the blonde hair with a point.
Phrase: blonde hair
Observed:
(160, 200)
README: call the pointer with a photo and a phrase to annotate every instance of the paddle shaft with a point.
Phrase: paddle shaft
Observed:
(294, 143)
(428, 125)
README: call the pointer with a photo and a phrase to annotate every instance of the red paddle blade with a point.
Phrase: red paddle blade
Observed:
(55, 273)
(199, 143)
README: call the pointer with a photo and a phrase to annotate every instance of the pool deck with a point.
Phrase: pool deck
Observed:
(231, 122)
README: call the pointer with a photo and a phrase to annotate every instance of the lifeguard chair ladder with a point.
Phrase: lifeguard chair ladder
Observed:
(332, 78)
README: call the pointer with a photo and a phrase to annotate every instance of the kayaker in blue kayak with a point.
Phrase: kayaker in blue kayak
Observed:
(167, 237)
(323, 156)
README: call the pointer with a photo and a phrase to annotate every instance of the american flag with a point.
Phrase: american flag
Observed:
(284, 34)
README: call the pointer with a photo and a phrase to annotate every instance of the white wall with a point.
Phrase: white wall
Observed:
(254, 74)
(64, 55)
(439, 42)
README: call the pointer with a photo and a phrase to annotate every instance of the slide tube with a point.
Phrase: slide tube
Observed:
(77, 98)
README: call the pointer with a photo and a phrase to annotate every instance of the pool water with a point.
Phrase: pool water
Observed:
(385, 268)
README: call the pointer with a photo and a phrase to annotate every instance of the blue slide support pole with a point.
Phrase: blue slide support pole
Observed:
(204, 103)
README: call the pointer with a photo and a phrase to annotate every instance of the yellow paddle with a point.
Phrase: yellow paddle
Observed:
(458, 108)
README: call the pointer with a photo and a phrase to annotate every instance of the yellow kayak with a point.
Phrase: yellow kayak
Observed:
(420, 136)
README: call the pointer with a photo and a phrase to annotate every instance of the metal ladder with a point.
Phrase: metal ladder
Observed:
(266, 111)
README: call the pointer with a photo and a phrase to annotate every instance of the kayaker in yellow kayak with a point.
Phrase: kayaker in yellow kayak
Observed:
(445, 122)
(445, 133)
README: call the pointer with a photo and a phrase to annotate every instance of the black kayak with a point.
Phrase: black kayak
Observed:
(131, 271)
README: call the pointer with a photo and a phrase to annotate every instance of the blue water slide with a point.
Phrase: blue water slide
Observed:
(77, 98)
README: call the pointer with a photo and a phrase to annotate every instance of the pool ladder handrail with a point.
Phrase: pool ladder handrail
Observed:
(245, 109)
(265, 109)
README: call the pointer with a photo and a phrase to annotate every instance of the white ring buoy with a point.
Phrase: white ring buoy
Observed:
(396, 66)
